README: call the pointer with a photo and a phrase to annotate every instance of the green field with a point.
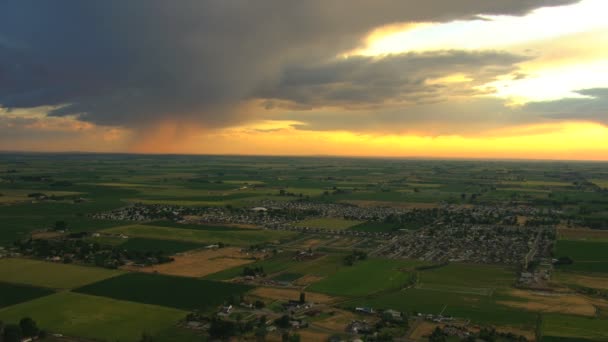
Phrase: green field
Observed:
(165, 246)
(94, 317)
(468, 276)
(51, 275)
(240, 238)
(588, 256)
(375, 227)
(288, 277)
(16, 293)
(366, 277)
(575, 327)
(171, 291)
(328, 223)
(479, 309)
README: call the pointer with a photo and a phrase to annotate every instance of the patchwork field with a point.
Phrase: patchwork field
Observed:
(51, 275)
(328, 223)
(16, 293)
(199, 263)
(240, 238)
(177, 292)
(92, 317)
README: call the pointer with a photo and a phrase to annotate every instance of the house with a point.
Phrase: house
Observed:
(365, 310)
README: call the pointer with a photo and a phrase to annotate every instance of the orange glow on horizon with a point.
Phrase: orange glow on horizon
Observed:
(560, 140)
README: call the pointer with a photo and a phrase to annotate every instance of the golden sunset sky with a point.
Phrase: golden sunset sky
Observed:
(457, 79)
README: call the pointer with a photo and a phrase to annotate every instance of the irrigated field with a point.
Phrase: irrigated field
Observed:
(240, 238)
(51, 275)
(165, 246)
(171, 291)
(575, 327)
(366, 277)
(15, 293)
(588, 256)
(92, 317)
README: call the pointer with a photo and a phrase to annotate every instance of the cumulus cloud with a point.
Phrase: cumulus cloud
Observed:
(398, 79)
(125, 63)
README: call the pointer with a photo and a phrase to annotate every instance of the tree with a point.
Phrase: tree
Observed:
(28, 327)
(302, 298)
(12, 333)
(61, 225)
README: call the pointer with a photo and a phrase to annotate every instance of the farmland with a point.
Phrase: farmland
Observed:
(588, 256)
(366, 277)
(51, 275)
(240, 238)
(93, 317)
(167, 246)
(170, 245)
(143, 288)
(14, 293)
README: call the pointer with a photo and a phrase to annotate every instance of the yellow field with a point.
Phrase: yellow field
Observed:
(199, 263)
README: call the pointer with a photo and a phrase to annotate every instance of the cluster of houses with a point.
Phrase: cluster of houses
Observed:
(493, 244)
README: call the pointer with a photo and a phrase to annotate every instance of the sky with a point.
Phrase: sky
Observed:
(384, 78)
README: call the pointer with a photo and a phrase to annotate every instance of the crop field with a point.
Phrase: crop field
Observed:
(290, 294)
(468, 275)
(209, 227)
(240, 238)
(328, 223)
(199, 263)
(480, 309)
(152, 245)
(583, 234)
(365, 277)
(177, 292)
(379, 227)
(93, 317)
(51, 275)
(288, 277)
(15, 293)
(575, 327)
(588, 256)
(595, 281)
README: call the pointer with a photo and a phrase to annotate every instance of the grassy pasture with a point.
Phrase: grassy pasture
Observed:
(171, 291)
(51, 275)
(14, 293)
(588, 256)
(468, 275)
(166, 246)
(365, 277)
(328, 223)
(240, 238)
(94, 317)
(575, 327)
(288, 277)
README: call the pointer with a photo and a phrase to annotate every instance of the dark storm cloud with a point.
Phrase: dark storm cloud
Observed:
(401, 78)
(123, 62)
(593, 107)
